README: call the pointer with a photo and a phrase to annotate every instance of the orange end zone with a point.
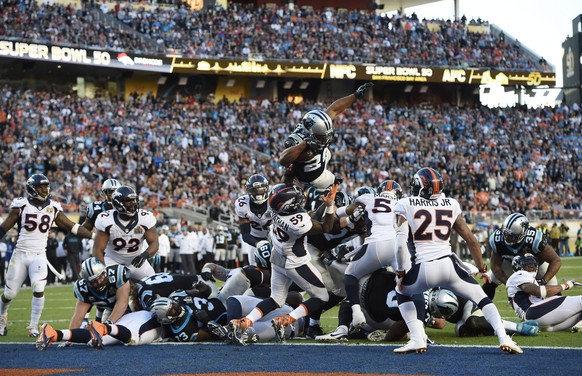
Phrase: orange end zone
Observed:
(35, 371)
(288, 374)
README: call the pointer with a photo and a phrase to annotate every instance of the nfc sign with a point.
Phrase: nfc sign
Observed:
(342, 70)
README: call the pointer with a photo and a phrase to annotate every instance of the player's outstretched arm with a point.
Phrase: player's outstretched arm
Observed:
(472, 243)
(65, 223)
(9, 222)
(101, 240)
(341, 104)
(290, 154)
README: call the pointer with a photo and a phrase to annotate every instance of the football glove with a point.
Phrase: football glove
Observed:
(138, 261)
(313, 143)
(207, 276)
(362, 90)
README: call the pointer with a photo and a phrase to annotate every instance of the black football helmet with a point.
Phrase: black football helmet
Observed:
(318, 126)
(257, 188)
(109, 186)
(263, 254)
(526, 262)
(514, 228)
(38, 187)
(125, 201)
(390, 186)
(427, 183)
(94, 272)
(286, 199)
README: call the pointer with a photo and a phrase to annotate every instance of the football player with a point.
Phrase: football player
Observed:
(239, 280)
(517, 237)
(307, 153)
(379, 247)
(254, 214)
(543, 303)
(121, 231)
(34, 215)
(290, 261)
(220, 245)
(97, 207)
(135, 328)
(431, 216)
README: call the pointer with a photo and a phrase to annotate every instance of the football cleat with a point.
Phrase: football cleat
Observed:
(241, 324)
(244, 338)
(97, 331)
(218, 330)
(3, 325)
(279, 324)
(32, 330)
(340, 334)
(528, 328)
(577, 328)
(358, 319)
(46, 336)
(411, 347)
(510, 347)
(313, 331)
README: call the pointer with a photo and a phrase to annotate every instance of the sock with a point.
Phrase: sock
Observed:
(494, 319)
(4, 306)
(37, 306)
(510, 325)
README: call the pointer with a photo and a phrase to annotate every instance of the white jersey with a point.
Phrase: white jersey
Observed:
(288, 239)
(125, 239)
(431, 223)
(381, 213)
(259, 221)
(519, 300)
(34, 224)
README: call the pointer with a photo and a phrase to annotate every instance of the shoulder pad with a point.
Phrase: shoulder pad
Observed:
(18, 202)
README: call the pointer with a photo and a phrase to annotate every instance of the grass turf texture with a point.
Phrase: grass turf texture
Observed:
(60, 305)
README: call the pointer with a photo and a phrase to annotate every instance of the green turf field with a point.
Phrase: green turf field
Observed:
(60, 305)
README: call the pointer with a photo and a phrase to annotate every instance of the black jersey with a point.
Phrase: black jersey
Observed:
(534, 242)
(95, 208)
(330, 240)
(256, 276)
(117, 276)
(378, 296)
(185, 329)
(162, 285)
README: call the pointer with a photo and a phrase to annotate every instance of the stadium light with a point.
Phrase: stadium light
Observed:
(423, 89)
(304, 85)
(230, 82)
(162, 80)
(261, 84)
(408, 89)
(287, 85)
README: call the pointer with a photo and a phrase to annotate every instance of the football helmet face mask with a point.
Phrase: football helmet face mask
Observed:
(125, 201)
(257, 188)
(286, 199)
(109, 186)
(166, 310)
(526, 262)
(427, 183)
(514, 228)
(319, 126)
(263, 254)
(390, 186)
(94, 272)
(38, 187)
(442, 303)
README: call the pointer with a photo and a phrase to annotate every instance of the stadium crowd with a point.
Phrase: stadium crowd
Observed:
(200, 153)
(245, 31)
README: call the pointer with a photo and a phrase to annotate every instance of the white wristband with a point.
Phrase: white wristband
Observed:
(93, 235)
(543, 292)
(330, 210)
(75, 229)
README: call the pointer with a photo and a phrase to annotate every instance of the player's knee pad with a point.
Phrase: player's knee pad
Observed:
(9, 294)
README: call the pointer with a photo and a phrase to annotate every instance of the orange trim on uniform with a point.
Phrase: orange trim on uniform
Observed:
(435, 181)
(305, 308)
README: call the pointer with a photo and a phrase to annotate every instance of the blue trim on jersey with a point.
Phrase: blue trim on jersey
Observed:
(536, 243)
(217, 319)
(77, 293)
(120, 282)
(190, 314)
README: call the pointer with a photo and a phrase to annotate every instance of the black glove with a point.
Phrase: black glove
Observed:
(139, 260)
(207, 276)
(362, 90)
(542, 282)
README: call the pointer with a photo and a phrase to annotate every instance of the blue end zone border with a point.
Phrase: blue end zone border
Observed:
(160, 359)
